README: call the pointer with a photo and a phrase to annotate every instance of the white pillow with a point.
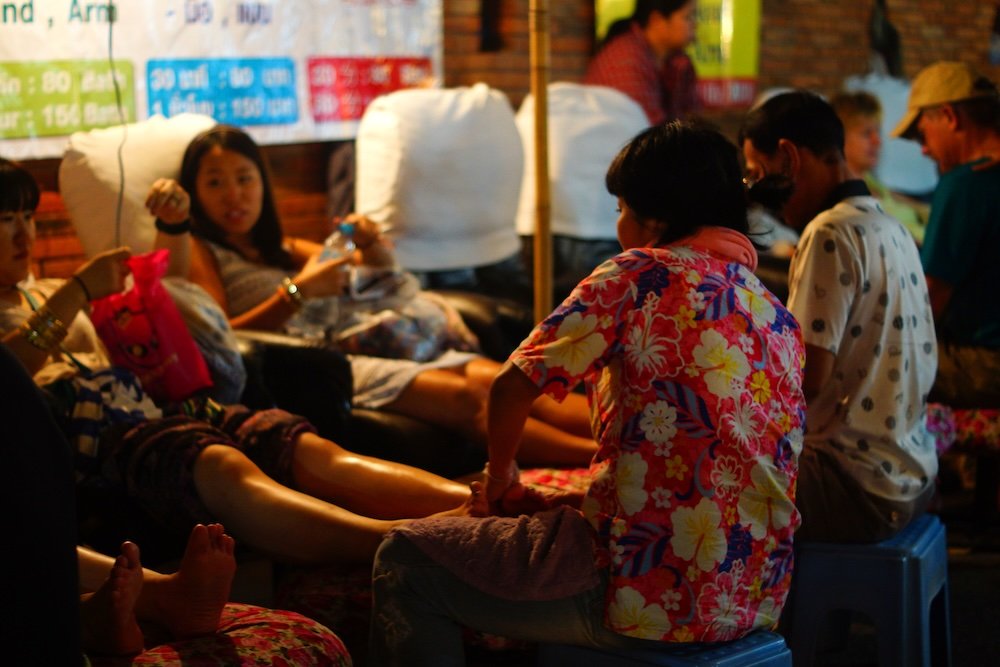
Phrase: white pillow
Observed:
(89, 177)
(587, 125)
(441, 169)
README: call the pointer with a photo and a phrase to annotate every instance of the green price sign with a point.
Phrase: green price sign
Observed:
(59, 97)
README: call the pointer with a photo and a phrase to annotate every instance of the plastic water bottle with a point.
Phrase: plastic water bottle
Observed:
(340, 244)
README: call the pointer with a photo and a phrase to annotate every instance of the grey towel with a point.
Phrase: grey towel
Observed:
(545, 556)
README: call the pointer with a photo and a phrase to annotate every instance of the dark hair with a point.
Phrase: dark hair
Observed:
(18, 188)
(619, 27)
(266, 235)
(802, 117)
(982, 111)
(684, 174)
(849, 106)
(643, 8)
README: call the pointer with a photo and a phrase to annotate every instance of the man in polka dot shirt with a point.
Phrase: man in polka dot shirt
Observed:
(857, 288)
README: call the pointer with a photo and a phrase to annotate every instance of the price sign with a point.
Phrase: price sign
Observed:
(59, 97)
(239, 91)
(341, 88)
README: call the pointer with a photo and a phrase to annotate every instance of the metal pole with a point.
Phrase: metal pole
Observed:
(539, 33)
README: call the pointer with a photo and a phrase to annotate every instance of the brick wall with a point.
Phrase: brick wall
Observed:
(817, 43)
(804, 43)
(570, 33)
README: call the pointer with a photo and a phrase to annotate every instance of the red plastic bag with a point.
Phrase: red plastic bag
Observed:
(144, 332)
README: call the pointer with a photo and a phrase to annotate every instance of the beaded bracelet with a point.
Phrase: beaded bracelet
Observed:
(175, 229)
(44, 330)
(79, 281)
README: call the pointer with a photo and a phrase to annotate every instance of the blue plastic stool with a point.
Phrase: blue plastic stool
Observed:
(758, 649)
(901, 584)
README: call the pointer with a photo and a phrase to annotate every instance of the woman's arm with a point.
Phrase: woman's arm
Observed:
(101, 276)
(511, 396)
(171, 205)
(301, 250)
(315, 279)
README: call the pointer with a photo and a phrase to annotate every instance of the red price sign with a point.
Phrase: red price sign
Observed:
(341, 88)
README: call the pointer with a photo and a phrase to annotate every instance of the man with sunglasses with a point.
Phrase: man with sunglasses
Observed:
(856, 286)
(954, 113)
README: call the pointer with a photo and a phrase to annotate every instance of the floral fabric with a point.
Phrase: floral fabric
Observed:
(248, 635)
(967, 430)
(693, 371)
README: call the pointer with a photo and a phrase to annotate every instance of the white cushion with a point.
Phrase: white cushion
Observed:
(89, 177)
(441, 170)
(587, 126)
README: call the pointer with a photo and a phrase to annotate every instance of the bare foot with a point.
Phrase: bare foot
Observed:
(107, 616)
(572, 498)
(520, 499)
(190, 601)
(475, 505)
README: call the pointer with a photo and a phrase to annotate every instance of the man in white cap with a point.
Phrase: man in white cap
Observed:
(954, 113)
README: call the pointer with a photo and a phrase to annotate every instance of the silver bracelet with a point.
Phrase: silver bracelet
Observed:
(515, 473)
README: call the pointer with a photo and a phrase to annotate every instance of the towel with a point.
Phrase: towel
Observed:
(544, 556)
(726, 242)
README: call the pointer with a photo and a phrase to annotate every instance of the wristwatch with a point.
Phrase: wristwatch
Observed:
(291, 293)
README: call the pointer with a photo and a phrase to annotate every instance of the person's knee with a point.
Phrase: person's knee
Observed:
(221, 464)
(470, 409)
(480, 373)
(313, 447)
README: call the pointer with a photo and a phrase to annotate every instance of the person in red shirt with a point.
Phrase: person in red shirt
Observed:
(645, 59)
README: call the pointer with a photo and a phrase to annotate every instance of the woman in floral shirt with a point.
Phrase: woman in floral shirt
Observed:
(693, 372)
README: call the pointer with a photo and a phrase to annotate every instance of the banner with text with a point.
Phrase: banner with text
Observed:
(726, 52)
(286, 70)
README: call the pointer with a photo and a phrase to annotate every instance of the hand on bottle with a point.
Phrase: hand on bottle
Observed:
(323, 277)
(366, 232)
(168, 201)
(105, 273)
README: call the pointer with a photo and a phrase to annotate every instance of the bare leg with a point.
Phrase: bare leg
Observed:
(572, 415)
(189, 602)
(108, 622)
(448, 399)
(289, 525)
(369, 486)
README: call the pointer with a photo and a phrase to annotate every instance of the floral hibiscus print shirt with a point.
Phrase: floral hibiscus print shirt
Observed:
(693, 371)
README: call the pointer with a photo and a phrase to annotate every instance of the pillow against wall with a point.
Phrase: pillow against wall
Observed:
(89, 177)
(587, 127)
(441, 169)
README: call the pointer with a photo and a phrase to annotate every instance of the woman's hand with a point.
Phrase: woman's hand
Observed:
(323, 277)
(168, 201)
(366, 232)
(373, 248)
(104, 274)
(506, 495)
(513, 498)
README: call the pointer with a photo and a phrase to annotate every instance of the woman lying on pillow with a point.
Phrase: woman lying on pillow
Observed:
(279, 487)
(235, 250)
